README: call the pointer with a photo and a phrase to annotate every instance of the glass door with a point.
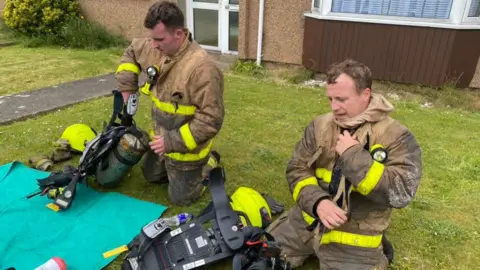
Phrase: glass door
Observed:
(230, 26)
(204, 22)
(214, 24)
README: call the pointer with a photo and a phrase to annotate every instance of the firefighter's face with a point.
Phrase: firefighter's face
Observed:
(345, 101)
(166, 40)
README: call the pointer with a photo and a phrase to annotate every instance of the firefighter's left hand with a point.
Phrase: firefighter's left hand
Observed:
(158, 145)
(345, 141)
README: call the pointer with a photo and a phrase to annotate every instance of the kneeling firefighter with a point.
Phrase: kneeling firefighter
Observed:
(107, 157)
(229, 227)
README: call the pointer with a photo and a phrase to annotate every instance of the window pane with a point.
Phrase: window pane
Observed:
(205, 26)
(474, 10)
(233, 31)
(233, 2)
(206, 1)
(438, 9)
(316, 3)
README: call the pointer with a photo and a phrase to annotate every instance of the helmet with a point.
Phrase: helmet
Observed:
(78, 135)
(252, 207)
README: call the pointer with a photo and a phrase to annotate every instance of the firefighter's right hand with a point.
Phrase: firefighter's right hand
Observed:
(126, 95)
(330, 214)
(158, 145)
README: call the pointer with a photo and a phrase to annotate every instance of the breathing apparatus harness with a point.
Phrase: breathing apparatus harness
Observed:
(62, 186)
(197, 243)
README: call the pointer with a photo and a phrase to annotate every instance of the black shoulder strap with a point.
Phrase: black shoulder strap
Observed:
(117, 107)
(227, 219)
(367, 143)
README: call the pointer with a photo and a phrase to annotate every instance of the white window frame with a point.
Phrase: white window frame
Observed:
(223, 8)
(458, 18)
(466, 19)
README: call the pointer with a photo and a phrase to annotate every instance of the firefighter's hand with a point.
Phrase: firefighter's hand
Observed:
(158, 145)
(330, 214)
(126, 95)
(345, 141)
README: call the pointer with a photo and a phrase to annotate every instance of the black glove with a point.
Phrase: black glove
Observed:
(275, 207)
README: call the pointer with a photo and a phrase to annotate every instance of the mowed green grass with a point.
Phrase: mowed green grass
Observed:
(263, 122)
(25, 69)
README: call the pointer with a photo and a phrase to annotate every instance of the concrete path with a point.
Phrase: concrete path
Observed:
(21, 106)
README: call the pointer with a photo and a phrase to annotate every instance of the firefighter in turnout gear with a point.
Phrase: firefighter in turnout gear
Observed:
(351, 167)
(186, 88)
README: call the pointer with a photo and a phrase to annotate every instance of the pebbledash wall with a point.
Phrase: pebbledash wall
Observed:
(119, 16)
(283, 30)
(291, 36)
(282, 35)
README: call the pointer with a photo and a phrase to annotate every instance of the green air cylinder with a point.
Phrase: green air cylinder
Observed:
(120, 159)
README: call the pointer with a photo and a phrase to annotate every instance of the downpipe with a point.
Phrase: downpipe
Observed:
(260, 31)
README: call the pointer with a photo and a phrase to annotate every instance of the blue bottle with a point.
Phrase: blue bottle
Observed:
(179, 219)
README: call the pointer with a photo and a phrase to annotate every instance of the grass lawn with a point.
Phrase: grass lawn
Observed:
(50, 66)
(5, 33)
(264, 120)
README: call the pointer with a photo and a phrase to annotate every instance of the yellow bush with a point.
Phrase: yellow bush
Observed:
(39, 16)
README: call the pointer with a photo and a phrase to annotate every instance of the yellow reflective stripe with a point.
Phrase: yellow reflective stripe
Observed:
(324, 174)
(352, 239)
(191, 156)
(309, 219)
(146, 89)
(128, 67)
(371, 179)
(170, 108)
(301, 184)
(375, 146)
(212, 162)
(187, 137)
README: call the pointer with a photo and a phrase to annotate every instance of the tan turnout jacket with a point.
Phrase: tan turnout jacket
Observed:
(377, 187)
(187, 97)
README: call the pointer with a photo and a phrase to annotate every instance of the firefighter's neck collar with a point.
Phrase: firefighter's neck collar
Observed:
(181, 50)
(378, 108)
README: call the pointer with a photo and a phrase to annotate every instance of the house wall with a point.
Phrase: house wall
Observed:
(123, 17)
(282, 30)
(476, 78)
(445, 51)
(405, 54)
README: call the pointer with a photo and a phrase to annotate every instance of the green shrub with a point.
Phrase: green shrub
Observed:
(249, 68)
(39, 16)
(78, 33)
